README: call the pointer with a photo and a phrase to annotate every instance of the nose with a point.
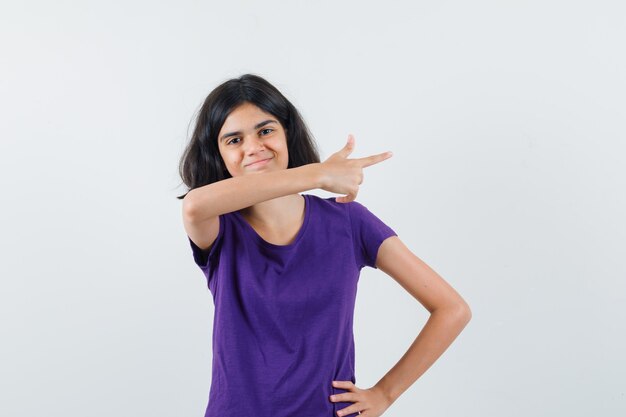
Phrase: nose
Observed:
(254, 144)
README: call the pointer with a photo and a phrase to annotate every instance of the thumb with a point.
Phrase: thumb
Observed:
(348, 148)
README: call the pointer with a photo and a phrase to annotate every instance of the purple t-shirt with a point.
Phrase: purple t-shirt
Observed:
(282, 329)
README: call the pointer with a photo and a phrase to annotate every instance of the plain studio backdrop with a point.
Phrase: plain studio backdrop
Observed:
(506, 120)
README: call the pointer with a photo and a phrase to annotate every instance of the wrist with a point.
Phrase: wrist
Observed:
(386, 393)
(316, 175)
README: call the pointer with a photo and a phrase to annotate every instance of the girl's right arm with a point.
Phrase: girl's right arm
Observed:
(235, 193)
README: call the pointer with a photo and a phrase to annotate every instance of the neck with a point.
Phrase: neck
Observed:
(274, 212)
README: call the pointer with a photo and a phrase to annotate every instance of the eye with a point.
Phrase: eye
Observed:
(263, 130)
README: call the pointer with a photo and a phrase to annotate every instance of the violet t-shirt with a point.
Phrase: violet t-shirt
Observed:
(282, 328)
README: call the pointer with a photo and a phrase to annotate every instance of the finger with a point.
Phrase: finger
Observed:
(348, 148)
(346, 199)
(351, 409)
(341, 199)
(348, 396)
(374, 159)
(342, 398)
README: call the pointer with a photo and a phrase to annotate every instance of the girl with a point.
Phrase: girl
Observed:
(283, 267)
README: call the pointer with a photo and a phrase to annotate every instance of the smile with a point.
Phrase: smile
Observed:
(259, 163)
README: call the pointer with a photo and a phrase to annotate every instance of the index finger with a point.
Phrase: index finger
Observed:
(374, 159)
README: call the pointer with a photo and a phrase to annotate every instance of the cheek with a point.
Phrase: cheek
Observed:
(229, 162)
(228, 157)
(283, 146)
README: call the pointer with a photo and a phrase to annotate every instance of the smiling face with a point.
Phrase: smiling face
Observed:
(250, 135)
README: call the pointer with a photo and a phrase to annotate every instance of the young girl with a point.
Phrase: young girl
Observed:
(283, 267)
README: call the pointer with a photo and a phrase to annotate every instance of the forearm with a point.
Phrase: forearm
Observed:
(243, 191)
(442, 327)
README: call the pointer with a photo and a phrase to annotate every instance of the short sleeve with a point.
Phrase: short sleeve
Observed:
(205, 258)
(368, 233)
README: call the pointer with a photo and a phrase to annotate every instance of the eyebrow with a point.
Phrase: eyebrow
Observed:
(258, 125)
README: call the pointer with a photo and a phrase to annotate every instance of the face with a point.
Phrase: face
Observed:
(250, 135)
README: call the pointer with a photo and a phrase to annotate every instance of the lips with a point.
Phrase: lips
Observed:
(260, 160)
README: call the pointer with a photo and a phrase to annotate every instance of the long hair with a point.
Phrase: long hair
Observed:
(201, 162)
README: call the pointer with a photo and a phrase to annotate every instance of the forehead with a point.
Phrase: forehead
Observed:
(244, 117)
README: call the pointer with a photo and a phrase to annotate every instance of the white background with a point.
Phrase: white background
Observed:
(506, 120)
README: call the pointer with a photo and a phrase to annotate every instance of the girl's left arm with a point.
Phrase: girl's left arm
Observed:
(449, 314)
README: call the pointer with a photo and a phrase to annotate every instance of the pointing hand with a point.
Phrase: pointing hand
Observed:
(342, 175)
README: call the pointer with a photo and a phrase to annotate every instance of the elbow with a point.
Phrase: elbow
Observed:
(459, 311)
(188, 207)
(465, 313)
(463, 310)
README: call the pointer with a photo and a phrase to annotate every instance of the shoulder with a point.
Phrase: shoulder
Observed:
(328, 206)
(330, 203)
(352, 212)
